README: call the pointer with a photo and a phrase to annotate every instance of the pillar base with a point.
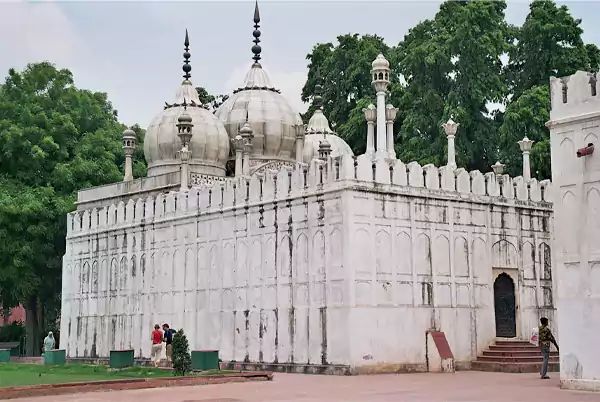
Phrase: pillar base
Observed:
(382, 154)
(581, 385)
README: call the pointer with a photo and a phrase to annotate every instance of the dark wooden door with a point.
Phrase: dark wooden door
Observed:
(505, 307)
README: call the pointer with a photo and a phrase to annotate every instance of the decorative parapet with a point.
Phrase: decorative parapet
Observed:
(305, 180)
(574, 96)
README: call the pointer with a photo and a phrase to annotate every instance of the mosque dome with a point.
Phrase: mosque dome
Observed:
(380, 62)
(270, 115)
(318, 130)
(209, 145)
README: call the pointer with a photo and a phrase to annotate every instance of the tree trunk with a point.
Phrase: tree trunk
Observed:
(5, 315)
(33, 345)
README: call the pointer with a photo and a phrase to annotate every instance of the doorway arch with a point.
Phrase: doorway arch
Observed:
(505, 306)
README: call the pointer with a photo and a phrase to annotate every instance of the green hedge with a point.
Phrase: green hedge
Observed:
(13, 332)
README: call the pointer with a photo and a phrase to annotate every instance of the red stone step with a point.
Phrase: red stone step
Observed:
(514, 356)
(513, 347)
(513, 359)
(512, 367)
(515, 353)
(515, 343)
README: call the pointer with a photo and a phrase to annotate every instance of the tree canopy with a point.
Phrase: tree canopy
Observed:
(55, 139)
(212, 102)
(452, 64)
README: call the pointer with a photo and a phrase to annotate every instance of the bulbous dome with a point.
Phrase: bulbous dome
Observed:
(209, 144)
(270, 115)
(380, 62)
(318, 130)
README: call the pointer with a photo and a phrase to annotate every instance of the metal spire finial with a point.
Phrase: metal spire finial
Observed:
(187, 68)
(256, 49)
(318, 99)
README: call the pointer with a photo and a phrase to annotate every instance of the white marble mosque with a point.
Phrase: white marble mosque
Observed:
(306, 256)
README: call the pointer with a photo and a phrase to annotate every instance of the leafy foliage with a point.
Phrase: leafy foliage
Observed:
(212, 102)
(527, 115)
(452, 65)
(182, 360)
(548, 44)
(344, 71)
(13, 332)
(54, 140)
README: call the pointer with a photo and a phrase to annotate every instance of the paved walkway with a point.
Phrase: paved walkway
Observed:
(460, 387)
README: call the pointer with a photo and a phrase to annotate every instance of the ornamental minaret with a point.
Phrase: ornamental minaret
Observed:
(380, 73)
(450, 128)
(525, 145)
(184, 132)
(128, 150)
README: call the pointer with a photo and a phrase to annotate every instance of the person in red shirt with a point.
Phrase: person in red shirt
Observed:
(157, 338)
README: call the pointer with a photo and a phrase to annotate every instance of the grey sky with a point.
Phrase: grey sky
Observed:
(132, 50)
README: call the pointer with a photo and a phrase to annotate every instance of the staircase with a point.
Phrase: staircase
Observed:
(514, 357)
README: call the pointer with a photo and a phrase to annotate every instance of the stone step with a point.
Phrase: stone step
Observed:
(514, 347)
(512, 367)
(514, 343)
(516, 359)
(516, 353)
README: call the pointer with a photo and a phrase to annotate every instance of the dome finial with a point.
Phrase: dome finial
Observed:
(317, 98)
(256, 49)
(187, 68)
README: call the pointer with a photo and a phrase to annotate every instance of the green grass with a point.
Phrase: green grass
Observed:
(15, 374)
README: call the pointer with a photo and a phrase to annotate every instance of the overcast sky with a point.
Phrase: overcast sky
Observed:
(132, 50)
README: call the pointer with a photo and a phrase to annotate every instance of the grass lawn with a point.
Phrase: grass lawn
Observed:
(15, 374)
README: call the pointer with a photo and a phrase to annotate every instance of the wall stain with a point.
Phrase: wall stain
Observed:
(276, 312)
(262, 328)
(323, 314)
(247, 332)
(292, 330)
(94, 352)
(78, 335)
(113, 332)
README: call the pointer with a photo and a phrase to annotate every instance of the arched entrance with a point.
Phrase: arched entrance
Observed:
(505, 306)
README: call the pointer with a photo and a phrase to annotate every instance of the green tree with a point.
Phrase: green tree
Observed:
(527, 116)
(548, 44)
(211, 102)
(475, 32)
(425, 64)
(344, 71)
(182, 361)
(54, 140)
(452, 66)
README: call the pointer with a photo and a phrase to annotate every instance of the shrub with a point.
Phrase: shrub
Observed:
(13, 332)
(182, 361)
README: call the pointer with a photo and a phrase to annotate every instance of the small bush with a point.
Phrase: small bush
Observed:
(13, 332)
(182, 360)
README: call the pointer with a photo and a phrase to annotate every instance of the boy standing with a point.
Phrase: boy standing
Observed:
(545, 339)
(157, 337)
